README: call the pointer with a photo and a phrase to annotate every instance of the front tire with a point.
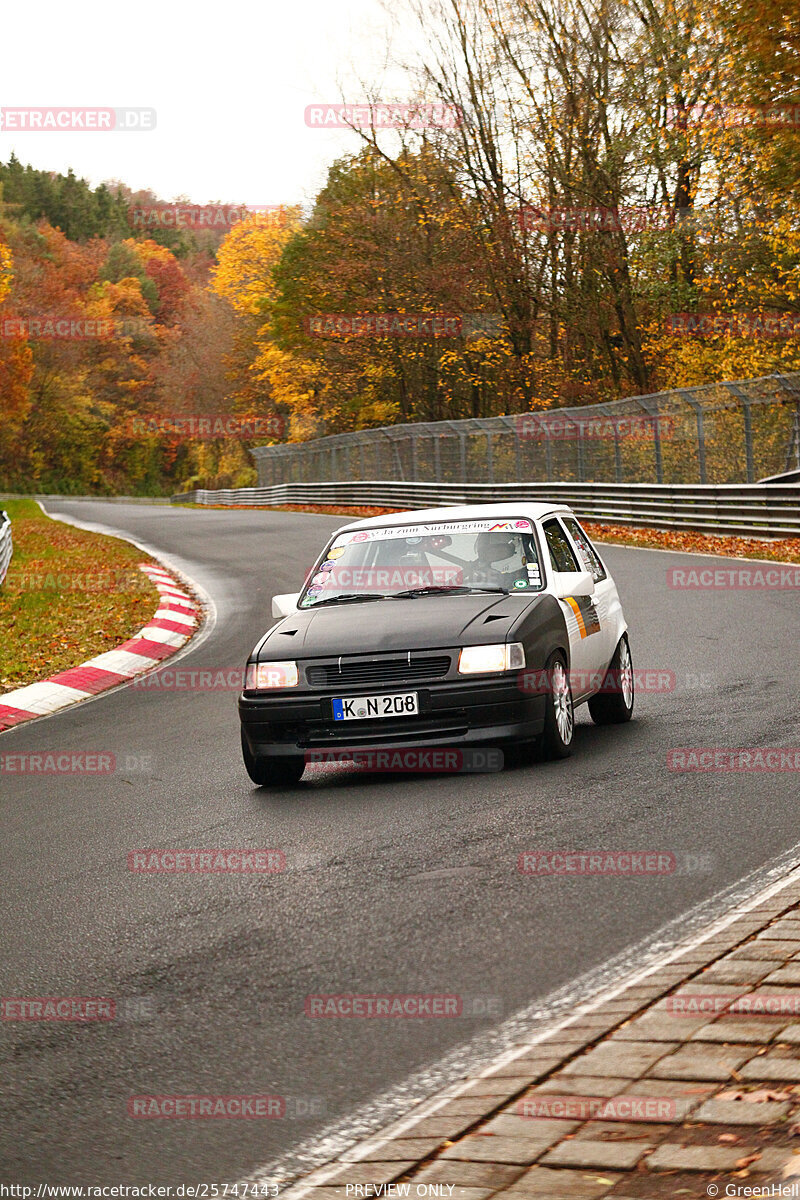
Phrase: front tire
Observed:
(559, 717)
(272, 772)
(613, 704)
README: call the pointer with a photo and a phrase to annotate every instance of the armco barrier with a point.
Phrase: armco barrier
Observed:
(756, 510)
(6, 544)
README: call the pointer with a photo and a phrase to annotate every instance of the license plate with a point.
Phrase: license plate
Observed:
(358, 708)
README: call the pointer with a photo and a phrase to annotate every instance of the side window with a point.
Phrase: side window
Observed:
(561, 555)
(585, 549)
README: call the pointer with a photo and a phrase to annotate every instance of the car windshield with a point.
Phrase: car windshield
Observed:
(409, 561)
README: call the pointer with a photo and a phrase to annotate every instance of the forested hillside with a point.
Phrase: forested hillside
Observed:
(615, 211)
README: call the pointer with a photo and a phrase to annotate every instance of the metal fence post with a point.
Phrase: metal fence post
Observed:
(401, 474)
(657, 448)
(437, 458)
(794, 441)
(701, 444)
(748, 440)
(652, 410)
(462, 455)
(489, 456)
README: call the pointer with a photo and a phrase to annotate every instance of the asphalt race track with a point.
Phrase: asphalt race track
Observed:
(393, 884)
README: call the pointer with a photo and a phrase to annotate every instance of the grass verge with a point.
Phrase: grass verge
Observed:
(69, 594)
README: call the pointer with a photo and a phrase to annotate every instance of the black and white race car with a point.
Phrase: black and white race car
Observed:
(478, 625)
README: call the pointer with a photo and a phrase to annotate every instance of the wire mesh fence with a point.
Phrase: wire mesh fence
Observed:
(731, 432)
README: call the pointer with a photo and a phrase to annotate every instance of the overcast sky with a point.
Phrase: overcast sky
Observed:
(229, 83)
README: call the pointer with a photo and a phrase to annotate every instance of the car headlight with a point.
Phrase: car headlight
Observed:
(265, 675)
(484, 660)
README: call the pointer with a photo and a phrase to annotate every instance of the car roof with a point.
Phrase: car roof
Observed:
(462, 512)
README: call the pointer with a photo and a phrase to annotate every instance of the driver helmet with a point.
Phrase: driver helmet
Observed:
(494, 547)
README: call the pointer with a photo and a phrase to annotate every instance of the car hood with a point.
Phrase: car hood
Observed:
(425, 623)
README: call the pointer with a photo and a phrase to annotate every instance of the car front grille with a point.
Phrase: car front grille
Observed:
(364, 672)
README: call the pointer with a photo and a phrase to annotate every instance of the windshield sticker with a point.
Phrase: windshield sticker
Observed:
(336, 551)
(415, 532)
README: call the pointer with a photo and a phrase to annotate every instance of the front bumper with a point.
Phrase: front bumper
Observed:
(487, 712)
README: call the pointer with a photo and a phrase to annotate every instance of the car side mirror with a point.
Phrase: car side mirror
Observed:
(573, 583)
(284, 606)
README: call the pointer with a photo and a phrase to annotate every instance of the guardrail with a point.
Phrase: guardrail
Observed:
(755, 510)
(6, 544)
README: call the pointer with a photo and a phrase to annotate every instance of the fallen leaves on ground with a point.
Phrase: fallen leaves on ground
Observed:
(69, 594)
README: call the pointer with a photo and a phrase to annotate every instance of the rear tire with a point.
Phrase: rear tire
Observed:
(272, 772)
(559, 717)
(613, 704)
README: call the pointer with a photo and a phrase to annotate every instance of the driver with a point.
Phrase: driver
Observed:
(497, 560)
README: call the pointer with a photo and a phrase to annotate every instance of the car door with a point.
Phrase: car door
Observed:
(606, 597)
(584, 627)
